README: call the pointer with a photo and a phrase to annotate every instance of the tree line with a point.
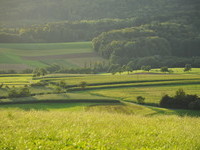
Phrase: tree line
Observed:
(181, 100)
(23, 12)
(75, 20)
(166, 39)
(65, 31)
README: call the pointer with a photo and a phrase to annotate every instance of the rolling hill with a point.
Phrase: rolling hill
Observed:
(23, 56)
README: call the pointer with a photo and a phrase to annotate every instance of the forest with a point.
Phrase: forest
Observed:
(82, 20)
(120, 31)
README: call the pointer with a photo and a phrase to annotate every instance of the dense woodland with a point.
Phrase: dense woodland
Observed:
(23, 12)
(122, 31)
(156, 39)
(82, 20)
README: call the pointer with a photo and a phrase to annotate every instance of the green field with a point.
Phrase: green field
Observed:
(97, 124)
(23, 56)
(121, 87)
(80, 126)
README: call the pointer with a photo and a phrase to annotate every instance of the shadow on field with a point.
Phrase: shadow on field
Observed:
(178, 112)
(45, 106)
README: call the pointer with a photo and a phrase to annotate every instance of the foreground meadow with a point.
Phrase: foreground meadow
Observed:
(24, 130)
(81, 126)
(99, 122)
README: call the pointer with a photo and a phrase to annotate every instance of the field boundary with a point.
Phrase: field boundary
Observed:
(63, 101)
(126, 86)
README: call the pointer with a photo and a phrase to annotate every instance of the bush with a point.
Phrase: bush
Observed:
(180, 100)
(83, 84)
(166, 101)
(58, 89)
(140, 99)
(1, 85)
(23, 92)
(146, 68)
(164, 69)
(188, 67)
(13, 93)
(62, 84)
(195, 105)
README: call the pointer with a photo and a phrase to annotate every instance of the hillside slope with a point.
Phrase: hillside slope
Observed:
(23, 56)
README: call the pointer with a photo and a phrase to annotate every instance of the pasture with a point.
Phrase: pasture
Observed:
(95, 121)
(23, 56)
(125, 87)
(80, 126)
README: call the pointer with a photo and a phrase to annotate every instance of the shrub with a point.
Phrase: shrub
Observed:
(12, 93)
(58, 89)
(62, 84)
(83, 84)
(195, 105)
(23, 92)
(146, 68)
(188, 67)
(1, 85)
(140, 99)
(166, 101)
(180, 100)
(164, 69)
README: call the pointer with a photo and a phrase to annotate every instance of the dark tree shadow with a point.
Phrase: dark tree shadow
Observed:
(44, 106)
(178, 112)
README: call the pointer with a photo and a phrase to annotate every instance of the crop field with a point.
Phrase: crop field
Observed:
(23, 56)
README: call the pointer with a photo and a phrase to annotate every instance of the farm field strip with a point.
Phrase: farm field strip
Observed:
(92, 79)
(101, 84)
(24, 55)
(152, 94)
(147, 84)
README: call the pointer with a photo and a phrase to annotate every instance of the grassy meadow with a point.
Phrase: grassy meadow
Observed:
(80, 126)
(22, 56)
(95, 121)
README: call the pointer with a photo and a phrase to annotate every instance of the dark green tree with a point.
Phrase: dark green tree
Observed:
(188, 67)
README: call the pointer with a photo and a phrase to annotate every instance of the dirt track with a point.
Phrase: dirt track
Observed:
(64, 56)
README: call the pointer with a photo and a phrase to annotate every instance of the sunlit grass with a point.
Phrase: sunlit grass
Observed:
(40, 129)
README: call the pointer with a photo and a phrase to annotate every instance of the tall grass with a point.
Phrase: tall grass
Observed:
(94, 130)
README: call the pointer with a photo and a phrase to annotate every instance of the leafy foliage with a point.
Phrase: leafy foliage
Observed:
(146, 68)
(161, 39)
(140, 99)
(83, 84)
(22, 92)
(188, 67)
(181, 100)
(164, 69)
